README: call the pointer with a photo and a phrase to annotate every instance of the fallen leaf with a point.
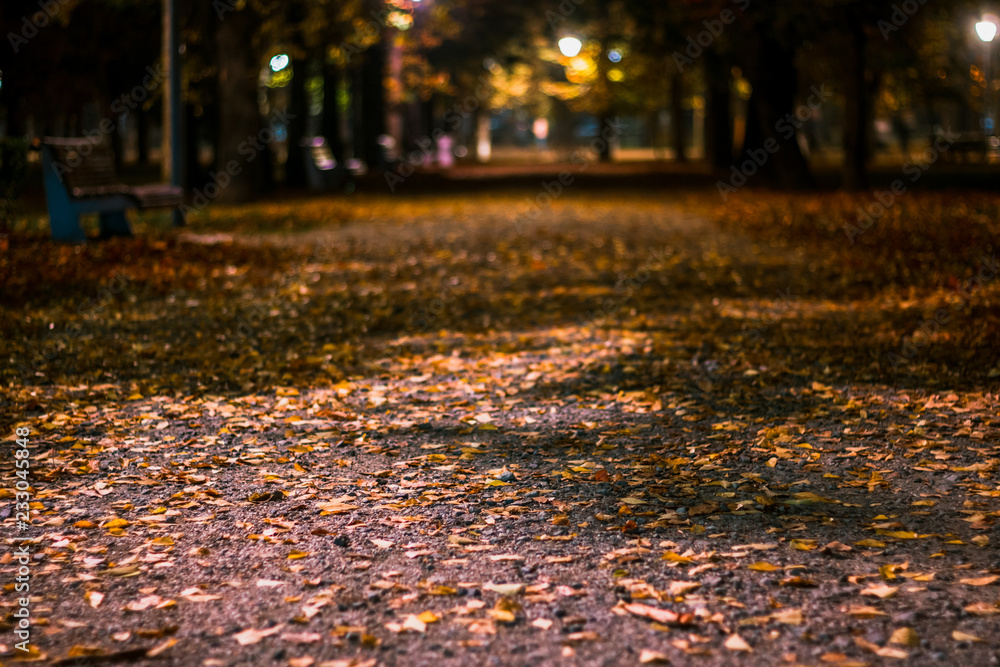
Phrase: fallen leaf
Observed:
(983, 608)
(653, 613)
(414, 623)
(788, 616)
(883, 592)
(737, 643)
(647, 657)
(681, 587)
(504, 589)
(761, 566)
(981, 581)
(905, 637)
(251, 636)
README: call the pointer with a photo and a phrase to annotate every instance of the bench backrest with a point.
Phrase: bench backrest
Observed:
(83, 166)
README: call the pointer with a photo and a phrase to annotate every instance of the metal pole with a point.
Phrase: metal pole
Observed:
(173, 143)
(988, 101)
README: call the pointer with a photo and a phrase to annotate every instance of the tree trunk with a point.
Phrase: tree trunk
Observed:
(330, 122)
(238, 114)
(677, 116)
(771, 115)
(298, 119)
(857, 110)
(193, 172)
(373, 107)
(719, 128)
(142, 130)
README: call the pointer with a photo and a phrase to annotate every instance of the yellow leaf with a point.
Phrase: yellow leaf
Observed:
(880, 591)
(905, 637)
(803, 545)
(294, 554)
(677, 558)
(960, 636)
(761, 566)
(429, 617)
(981, 581)
(873, 544)
(337, 507)
(866, 612)
(116, 523)
(901, 534)
(788, 616)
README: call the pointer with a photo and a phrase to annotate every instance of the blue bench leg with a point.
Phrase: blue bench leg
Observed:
(65, 223)
(114, 223)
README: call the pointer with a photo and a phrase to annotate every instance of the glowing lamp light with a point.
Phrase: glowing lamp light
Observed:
(986, 30)
(570, 46)
(279, 62)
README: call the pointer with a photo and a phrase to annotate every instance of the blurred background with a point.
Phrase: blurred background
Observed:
(292, 89)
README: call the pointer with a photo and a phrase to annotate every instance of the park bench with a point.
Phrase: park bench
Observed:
(80, 177)
(970, 147)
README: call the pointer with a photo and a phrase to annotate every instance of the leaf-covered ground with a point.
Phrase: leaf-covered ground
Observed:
(429, 430)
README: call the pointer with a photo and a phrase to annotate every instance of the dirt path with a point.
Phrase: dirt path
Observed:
(618, 434)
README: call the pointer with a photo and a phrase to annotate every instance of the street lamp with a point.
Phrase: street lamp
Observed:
(986, 30)
(570, 46)
(279, 62)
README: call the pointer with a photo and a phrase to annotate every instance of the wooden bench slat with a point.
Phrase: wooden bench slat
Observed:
(80, 176)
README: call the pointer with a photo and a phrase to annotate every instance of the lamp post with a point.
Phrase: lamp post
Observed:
(986, 30)
(173, 138)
